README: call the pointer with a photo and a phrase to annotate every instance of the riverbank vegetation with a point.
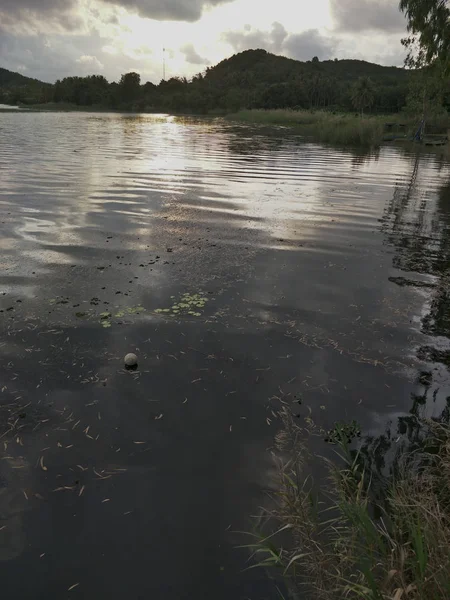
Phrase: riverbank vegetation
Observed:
(345, 128)
(323, 126)
(364, 532)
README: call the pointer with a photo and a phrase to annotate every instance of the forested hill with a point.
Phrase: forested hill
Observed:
(9, 79)
(250, 79)
(264, 80)
(16, 88)
(270, 68)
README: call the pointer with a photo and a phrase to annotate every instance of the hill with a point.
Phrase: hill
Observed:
(10, 79)
(259, 79)
(249, 79)
(15, 88)
(273, 68)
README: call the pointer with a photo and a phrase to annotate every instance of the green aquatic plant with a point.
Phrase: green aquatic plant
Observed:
(130, 310)
(343, 432)
(127, 311)
(188, 304)
(106, 317)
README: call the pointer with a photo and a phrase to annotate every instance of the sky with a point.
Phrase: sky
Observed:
(52, 39)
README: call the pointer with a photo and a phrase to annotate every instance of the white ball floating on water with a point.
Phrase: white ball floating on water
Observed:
(130, 360)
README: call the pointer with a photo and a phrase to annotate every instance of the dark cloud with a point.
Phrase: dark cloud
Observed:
(302, 46)
(363, 15)
(31, 14)
(168, 10)
(192, 56)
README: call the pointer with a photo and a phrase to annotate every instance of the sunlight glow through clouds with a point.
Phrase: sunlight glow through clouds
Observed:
(135, 32)
(207, 31)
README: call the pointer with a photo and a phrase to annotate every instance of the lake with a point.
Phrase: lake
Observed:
(245, 267)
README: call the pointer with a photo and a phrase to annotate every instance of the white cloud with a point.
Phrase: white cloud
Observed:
(90, 62)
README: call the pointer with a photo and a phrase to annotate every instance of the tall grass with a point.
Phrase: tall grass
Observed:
(356, 540)
(323, 126)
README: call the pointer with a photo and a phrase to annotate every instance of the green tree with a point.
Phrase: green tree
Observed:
(363, 93)
(429, 53)
(429, 28)
(426, 97)
(129, 87)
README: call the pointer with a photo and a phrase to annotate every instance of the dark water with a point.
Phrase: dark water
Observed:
(312, 273)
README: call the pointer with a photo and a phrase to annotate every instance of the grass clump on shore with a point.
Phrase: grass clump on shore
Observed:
(323, 126)
(361, 536)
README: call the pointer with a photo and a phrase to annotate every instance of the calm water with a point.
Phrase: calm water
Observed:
(308, 273)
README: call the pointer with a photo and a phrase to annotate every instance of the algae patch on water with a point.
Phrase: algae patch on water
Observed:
(106, 318)
(188, 304)
(123, 312)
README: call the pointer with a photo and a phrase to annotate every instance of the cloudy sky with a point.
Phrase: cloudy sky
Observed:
(50, 39)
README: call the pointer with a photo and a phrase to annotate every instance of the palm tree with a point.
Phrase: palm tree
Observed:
(363, 93)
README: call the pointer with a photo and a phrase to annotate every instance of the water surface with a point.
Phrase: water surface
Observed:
(304, 273)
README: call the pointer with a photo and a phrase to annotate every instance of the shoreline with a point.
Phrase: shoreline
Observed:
(321, 126)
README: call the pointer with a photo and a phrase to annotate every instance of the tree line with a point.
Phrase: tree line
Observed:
(250, 79)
